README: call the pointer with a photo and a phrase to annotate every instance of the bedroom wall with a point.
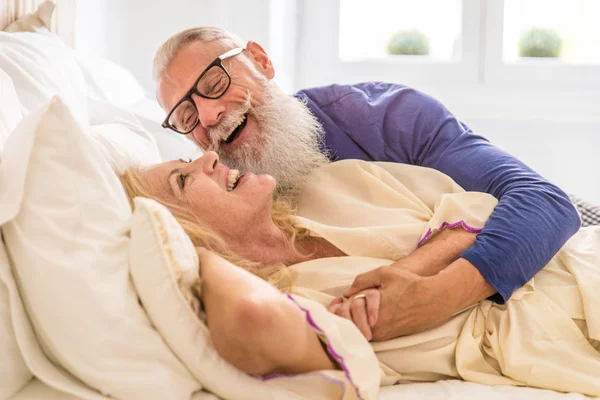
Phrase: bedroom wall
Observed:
(129, 32)
(565, 153)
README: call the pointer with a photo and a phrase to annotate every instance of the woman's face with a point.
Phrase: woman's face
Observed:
(231, 205)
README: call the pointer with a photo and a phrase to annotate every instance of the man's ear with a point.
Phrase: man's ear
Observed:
(261, 59)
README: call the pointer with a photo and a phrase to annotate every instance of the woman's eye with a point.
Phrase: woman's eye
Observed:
(181, 180)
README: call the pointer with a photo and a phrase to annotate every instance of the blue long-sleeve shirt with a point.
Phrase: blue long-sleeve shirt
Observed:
(387, 122)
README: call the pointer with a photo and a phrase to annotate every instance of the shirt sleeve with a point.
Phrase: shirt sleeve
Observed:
(533, 219)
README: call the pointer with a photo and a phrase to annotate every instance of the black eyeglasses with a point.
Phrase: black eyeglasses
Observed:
(212, 83)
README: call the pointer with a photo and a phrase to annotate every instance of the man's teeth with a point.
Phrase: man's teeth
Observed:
(227, 135)
(239, 123)
(232, 179)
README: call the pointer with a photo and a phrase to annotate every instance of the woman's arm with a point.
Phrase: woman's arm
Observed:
(255, 327)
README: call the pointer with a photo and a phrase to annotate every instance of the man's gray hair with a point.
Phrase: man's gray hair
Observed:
(171, 47)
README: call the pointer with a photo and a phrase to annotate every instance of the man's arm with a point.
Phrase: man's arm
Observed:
(387, 122)
(423, 289)
(439, 258)
(533, 218)
(438, 252)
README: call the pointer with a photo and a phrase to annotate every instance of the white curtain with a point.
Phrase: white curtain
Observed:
(63, 21)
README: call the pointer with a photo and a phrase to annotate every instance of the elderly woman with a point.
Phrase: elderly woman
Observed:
(353, 217)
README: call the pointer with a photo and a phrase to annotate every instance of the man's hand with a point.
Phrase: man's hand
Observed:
(362, 309)
(424, 289)
(409, 302)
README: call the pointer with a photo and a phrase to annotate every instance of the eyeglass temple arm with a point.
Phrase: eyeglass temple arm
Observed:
(231, 53)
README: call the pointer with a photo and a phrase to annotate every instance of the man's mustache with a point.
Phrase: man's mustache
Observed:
(228, 123)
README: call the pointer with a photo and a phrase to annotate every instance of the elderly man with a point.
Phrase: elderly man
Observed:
(220, 93)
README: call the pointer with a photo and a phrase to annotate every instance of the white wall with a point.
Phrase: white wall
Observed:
(91, 28)
(559, 138)
(130, 31)
(565, 153)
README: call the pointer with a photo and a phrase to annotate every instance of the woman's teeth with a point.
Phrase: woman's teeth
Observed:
(232, 179)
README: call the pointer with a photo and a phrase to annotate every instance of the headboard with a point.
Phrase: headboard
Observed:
(63, 20)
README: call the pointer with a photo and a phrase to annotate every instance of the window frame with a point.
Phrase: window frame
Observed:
(323, 27)
(528, 72)
(482, 87)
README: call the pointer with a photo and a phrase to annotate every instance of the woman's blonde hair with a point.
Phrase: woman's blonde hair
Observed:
(202, 236)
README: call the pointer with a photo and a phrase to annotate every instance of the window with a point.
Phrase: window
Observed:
(380, 28)
(573, 67)
(349, 41)
(450, 42)
(556, 30)
(473, 64)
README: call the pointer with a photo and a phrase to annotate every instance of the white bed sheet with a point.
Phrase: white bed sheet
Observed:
(37, 390)
(459, 390)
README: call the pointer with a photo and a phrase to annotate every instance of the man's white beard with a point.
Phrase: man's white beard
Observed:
(287, 146)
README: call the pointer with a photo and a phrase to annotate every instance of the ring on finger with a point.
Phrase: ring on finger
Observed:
(359, 296)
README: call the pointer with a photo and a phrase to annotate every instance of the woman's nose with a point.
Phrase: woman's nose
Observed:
(209, 160)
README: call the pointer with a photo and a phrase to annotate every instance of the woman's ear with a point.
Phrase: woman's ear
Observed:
(261, 59)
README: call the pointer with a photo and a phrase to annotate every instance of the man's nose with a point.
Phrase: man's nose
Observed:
(210, 111)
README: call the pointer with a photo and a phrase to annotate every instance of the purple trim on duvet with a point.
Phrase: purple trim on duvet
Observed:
(330, 349)
(450, 226)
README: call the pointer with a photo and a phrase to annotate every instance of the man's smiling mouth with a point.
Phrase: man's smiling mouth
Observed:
(236, 131)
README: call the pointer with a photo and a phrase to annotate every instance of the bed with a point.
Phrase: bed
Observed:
(37, 390)
(124, 124)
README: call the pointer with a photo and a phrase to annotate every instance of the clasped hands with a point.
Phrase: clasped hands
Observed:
(391, 301)
(416, 293)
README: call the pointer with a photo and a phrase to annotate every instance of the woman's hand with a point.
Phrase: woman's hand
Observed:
(362, 309)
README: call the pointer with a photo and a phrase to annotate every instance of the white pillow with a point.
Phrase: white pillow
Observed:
(120, 136)
(69, 246)
(10, 108)
(34, 357)
(171, 145)
(107, 81)
(110, 82)
(40, 63)
(14, 374)
(42, 66)
(125, 145)
(164, 267)
(12, 170)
